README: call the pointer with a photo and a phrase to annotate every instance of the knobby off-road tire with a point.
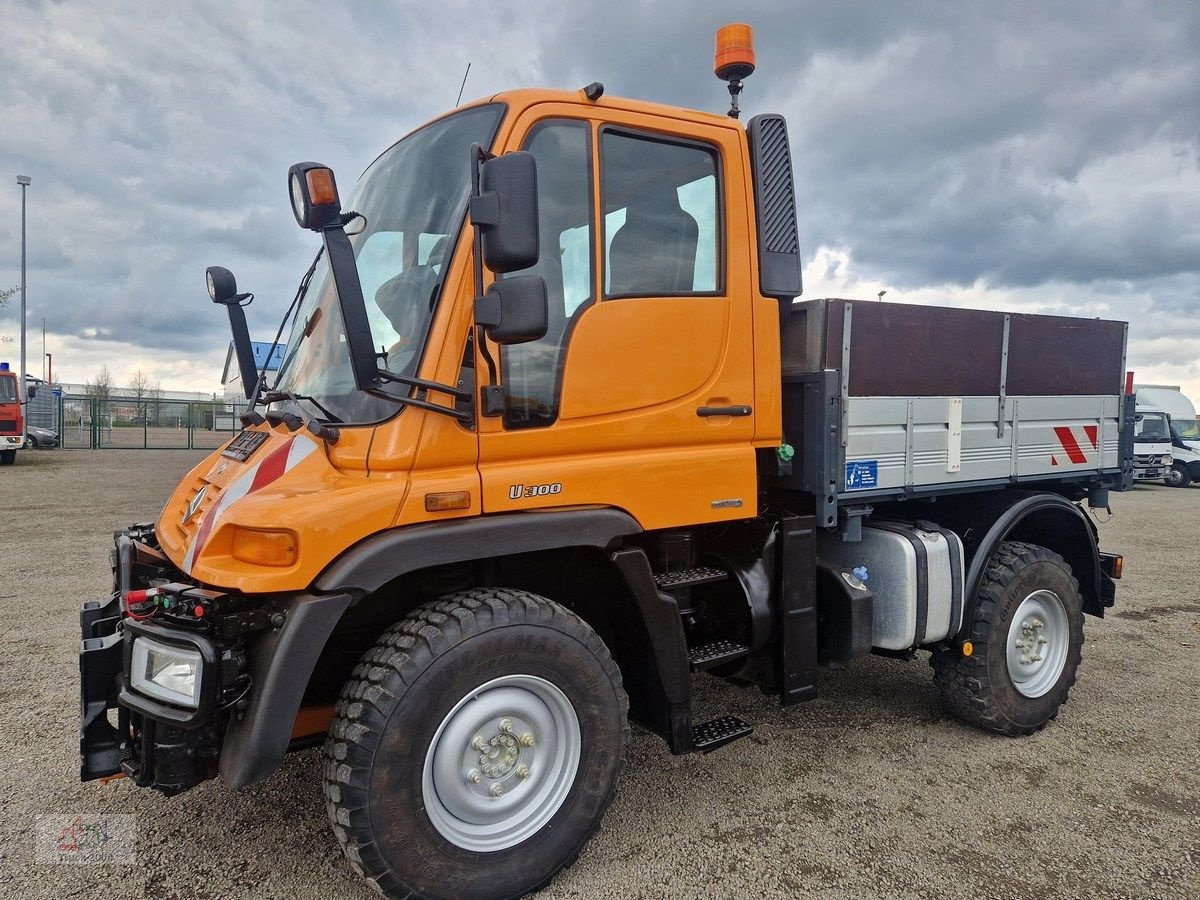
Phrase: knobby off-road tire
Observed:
(1024, 585)
(505, 672)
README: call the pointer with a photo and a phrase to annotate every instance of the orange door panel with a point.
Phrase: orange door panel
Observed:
(622, 426)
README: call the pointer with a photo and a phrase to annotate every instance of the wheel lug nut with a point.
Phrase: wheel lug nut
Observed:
(522, 771)
(527, 740)
(479, 743)
(473, 776)
(497, 790)
(505, 725)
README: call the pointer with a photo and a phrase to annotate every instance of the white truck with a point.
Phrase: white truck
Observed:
(1184, 430)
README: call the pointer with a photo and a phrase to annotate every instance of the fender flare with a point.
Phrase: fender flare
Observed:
(1049, 520)
(283, 660)
(372, 563)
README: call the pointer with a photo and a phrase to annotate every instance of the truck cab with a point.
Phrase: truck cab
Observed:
(12, 417)
(1185, 430)
(1152, 444)
(550, 438)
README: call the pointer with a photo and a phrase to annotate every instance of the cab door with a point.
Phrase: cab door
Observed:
(640, 395)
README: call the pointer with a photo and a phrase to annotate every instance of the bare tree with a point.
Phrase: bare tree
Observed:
(5, 295)
(100, 387)
(139, 389)
(156, 397)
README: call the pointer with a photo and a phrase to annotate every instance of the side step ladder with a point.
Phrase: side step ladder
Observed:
(708, 736)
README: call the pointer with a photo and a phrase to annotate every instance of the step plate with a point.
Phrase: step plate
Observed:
(708, 736)
(709, 656)
(688, 577)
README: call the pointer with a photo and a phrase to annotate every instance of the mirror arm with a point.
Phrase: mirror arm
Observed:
(352, 307)
(461, 415)
(456, 393)
(242, 348)
(490, 390)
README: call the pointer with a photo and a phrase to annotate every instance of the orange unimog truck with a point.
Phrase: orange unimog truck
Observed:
(551, 434)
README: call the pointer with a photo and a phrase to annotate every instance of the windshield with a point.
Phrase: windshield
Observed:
(413, 199)
(8, 389)
(1151, 427)
(1186, 429)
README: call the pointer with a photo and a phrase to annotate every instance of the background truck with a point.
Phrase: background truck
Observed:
(550, 436)
(1185, 430)
(12, 417)
(1153, 454)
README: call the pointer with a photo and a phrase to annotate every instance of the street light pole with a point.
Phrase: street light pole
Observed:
(23, 181)
(43, 348)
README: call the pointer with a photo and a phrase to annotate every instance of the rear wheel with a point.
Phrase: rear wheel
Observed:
(476, 747)
(1177, 476)
(1027, 640)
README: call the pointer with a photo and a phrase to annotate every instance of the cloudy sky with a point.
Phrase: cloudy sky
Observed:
(1015, 155)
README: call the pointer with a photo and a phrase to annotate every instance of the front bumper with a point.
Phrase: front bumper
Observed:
(122, 731)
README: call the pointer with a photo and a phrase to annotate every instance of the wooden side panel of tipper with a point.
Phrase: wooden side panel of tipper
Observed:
(889, 399)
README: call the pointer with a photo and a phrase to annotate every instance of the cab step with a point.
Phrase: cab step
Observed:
(688, 578)
(708, 736)
(717, 653)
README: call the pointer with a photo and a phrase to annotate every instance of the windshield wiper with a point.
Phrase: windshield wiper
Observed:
(250, 416)
(322, 428)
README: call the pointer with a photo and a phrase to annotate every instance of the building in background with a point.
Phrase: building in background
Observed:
(231, 377)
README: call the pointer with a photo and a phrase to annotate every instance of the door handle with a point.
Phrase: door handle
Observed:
(705, 412)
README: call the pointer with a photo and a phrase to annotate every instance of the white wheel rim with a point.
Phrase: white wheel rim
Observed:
(501, 763)
(1038, 641)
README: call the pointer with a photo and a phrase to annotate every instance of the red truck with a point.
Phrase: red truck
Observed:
(12, 419)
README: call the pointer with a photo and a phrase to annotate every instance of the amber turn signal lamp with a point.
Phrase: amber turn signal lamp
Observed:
(264, 548)
(734, 56)
(1117, 566)
(445, 500)
(320, 187)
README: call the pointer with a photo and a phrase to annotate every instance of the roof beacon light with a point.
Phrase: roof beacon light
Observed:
(733, 59)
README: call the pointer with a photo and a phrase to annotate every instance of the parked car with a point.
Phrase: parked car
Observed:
(40, 438)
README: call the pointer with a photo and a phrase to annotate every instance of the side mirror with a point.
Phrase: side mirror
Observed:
(514, 310)
(222, 289)
(506, 211)
(315, 201)
(31, 391)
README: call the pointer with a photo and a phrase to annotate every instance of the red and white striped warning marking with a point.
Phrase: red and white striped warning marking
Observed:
(258, 476)
(1071, 446)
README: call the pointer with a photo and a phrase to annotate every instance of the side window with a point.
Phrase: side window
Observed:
(662, 216)
(532, 372)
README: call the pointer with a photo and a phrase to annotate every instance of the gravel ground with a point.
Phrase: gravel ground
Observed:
(870, 790)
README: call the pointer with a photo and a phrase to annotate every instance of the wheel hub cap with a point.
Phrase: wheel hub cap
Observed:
(1038, 641)
(501, 763)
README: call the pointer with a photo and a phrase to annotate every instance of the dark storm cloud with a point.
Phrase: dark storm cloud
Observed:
(1011, 145)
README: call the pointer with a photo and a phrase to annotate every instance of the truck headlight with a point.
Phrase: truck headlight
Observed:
(166, 671)
(1166, 460)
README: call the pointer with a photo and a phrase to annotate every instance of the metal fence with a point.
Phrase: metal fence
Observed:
(120, 423)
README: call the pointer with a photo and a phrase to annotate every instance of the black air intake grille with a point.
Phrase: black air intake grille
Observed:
(778, 213)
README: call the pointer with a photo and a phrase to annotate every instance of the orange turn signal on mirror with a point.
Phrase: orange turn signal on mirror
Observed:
(264, 548)
(321, 191)
(444, 500)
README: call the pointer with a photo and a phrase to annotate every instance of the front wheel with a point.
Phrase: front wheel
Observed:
(476, 747)
(1027, 641)
(1177, 476)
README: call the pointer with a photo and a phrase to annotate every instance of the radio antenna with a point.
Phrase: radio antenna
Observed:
(463, 85)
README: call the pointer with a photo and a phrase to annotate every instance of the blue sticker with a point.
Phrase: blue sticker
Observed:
(861, 474)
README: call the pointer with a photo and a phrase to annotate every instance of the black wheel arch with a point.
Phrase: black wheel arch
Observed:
(983, 521)
(381, 579)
